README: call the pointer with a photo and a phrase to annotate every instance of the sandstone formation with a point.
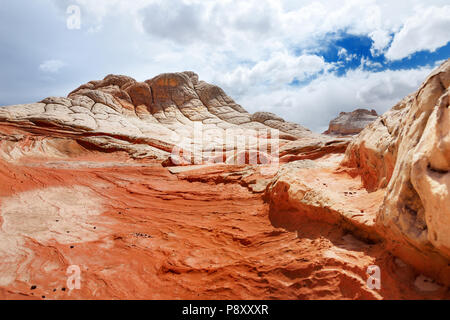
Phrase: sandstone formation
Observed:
(407, 151)
(168, 189)
(350, 123)
(149, 119)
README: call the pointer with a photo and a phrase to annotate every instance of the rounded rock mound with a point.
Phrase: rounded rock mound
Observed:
(351, 123)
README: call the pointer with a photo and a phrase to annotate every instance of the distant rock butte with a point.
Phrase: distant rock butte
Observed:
(351, 123)
(168, 189)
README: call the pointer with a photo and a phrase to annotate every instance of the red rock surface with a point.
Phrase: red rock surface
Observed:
(158, 235)
(89, 193)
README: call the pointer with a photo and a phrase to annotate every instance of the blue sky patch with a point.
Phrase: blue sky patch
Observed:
(346, 51)
(421, 58)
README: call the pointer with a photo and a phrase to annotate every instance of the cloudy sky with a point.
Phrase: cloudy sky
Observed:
(304, 60)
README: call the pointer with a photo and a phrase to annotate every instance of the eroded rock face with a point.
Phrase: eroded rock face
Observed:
(407, 151)
(84, 184)
(274, 121)
(307, 190)
(350, 123)
(149, 119)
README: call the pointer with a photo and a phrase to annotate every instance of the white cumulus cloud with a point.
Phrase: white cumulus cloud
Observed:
(428, 29)
(253, 49)
(278, 71)
(315, 104)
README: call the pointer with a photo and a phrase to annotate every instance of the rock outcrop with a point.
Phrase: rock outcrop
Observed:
(407, 151)
(351, 123)
(168, 189)
(150, 119)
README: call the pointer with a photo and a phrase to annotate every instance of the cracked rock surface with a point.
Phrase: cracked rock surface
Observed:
(92, 180)
(407, 152)
(147, 119)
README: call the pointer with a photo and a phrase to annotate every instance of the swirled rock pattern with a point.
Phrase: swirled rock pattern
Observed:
(168, 189)
(148, 119)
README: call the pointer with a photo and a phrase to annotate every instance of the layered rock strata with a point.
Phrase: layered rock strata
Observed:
(407, 152)
(168, 189)
(351, 123)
